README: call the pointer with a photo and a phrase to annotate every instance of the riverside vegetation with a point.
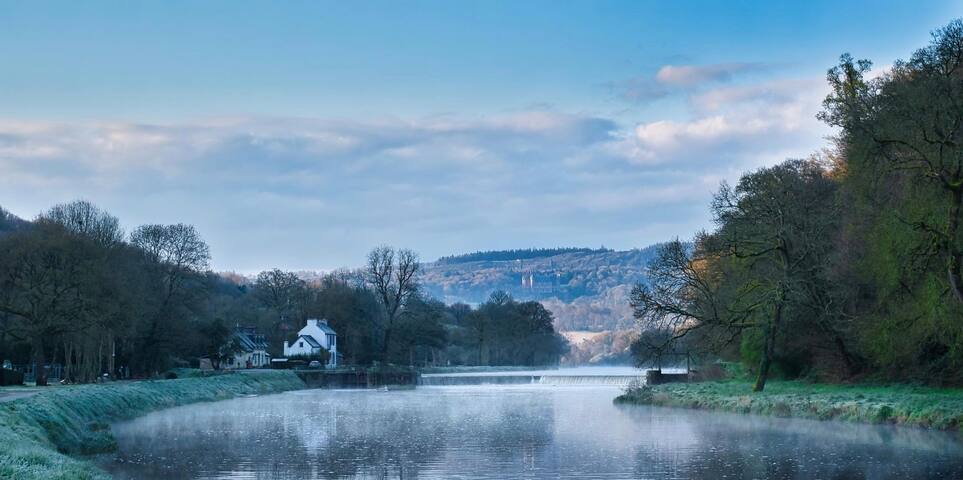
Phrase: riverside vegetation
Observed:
(842, 268)
(76, 290)
(41, 436)
(917, 406)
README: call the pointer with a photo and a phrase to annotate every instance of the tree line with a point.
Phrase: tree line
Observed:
(844, 265)
(77, 290)
(517, 254)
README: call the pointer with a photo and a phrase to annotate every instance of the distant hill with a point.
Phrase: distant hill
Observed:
(587, 289)
(10, 222)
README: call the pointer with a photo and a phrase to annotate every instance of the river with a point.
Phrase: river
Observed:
(508, 431)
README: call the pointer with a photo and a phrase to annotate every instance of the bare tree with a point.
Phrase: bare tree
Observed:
(391, 275)
(687, 294)
(178, 252)
(283, 292)
(86, 219)
(42, 275)
(91, 334)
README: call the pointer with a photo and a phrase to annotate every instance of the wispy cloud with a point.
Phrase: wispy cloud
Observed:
(696, 75)
(687, 78)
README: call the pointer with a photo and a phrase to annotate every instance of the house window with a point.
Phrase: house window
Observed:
(301, 344)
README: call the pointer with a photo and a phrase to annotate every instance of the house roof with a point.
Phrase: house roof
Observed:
(326, 328)
(249, 340)
(311, 341)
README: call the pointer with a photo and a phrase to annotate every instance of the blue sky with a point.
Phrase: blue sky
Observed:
(301, 134)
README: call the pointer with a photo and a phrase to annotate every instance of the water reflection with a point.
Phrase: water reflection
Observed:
(508, 432)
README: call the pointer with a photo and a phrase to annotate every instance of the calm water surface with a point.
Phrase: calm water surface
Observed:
(512, 431)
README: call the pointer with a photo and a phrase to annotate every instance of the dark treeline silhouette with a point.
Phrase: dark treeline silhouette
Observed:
(845, 265)
(519, 254)
(503, 331)
(76, 290)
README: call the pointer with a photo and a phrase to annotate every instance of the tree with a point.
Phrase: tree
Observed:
(421, 334)
(502, 331)
(904, 129)
(777, 224)
(43, 272)
(901, 167)
(688, 293)
(85, 219)
(92, 339)
(354, 312)
(284, 293)
(540, 344)
(175, 255)
(391, 276)
(219, 342)
(762, 269)
(10, 222)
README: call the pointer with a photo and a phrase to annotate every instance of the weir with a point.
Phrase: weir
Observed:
(530, 379)
(356, 379)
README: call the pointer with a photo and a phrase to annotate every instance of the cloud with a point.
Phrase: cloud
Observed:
(318, 192)
(735, 125)
(681, 79)
(694, 75)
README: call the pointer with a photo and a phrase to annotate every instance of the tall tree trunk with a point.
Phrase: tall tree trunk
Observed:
(955, 261)
(768, 349)
(3, 345)
(848, 360)
(100, 357)
(113, 354)
(40, 373)
(66, 372)
(387, 343)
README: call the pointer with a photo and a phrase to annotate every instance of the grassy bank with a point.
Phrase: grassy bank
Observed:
(896, 404)
(38, 434)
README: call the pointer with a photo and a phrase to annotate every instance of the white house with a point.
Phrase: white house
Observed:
(252, 351)
(312, 338)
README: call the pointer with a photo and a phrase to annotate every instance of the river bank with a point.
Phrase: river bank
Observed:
(39, 434)
(926, 407)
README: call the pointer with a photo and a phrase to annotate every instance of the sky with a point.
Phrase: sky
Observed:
(299, 135)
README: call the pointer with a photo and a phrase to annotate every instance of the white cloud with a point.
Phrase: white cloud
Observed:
(694, 75)
(732, 122)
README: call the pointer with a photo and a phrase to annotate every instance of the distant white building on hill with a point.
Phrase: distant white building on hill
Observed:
(316, 335)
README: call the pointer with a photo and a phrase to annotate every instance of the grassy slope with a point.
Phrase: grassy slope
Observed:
(38, 433)
(898, 404)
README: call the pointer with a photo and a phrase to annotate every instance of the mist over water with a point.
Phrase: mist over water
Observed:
(508, 431)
